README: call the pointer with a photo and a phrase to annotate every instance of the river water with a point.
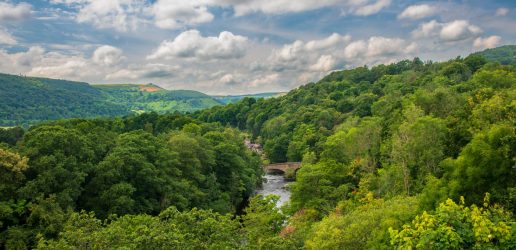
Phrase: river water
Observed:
(275, 184)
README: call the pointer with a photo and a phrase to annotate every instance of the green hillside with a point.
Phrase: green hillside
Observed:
(28, 100)
(505, 55)
(137, 99)
(227, 99)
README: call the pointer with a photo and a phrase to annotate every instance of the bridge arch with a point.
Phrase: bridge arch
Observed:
(282, 167)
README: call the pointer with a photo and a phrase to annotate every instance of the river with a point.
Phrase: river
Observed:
(275, 184)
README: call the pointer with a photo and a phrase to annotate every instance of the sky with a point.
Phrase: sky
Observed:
(238, 46)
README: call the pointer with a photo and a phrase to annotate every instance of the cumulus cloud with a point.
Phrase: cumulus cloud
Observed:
(269, 79)
(68, 69)
(415, 12)
(355, 49)
(356, 7)
(277, 7)
(11, 12)
(373, 8)
(107, 55)
(126, 15)
(324, 63)
(427, 29)
(7, 38)
(300, 54)
(327, 43)
(378, 46)
(487, 43)
(310, 60)
(457, 30)
(173, 14)
(502, 11)
(121, 15)
(145, 71)
(191, 44)
(228, 79)
(36, 61)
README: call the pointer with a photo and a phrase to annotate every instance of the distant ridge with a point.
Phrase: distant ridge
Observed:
(226, 99)
(505, 55)
(29, 100)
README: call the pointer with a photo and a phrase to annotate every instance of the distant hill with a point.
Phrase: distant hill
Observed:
(227, 99)
(28, 100)
(505, 55)
(150, 97)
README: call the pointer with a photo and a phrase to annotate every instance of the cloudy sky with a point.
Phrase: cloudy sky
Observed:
(238, 46)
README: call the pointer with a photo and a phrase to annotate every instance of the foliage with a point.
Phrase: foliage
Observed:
(365, 227)
(29, 100)
(194, 229)
(504, 54)
(456, 226)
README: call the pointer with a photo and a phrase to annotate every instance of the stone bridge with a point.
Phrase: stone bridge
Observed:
(282, 167)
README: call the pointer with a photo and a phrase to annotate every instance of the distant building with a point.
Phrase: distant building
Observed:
(253, 146)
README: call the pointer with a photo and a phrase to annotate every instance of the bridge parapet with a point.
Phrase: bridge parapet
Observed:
(282, 167)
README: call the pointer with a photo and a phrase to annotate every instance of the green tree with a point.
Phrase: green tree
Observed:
(456, 226)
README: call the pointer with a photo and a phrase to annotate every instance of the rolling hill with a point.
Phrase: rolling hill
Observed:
(227, 99)
(505, 55)
(142, 98)
(28, 100)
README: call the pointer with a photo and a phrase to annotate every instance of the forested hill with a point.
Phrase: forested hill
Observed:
(226, 99)
(144, 98)
(380, 145)
(505, 55)
(28, 100)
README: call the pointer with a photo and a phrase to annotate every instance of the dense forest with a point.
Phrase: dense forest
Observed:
(28, 100)
(410, 155)
(227, 99)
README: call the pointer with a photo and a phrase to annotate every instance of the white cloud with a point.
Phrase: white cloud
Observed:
(324, 63)
(228, 79)
(415, 12)
(107, 55)
(191, 44)
(11, 12)
(275, 7)
(300, 54)
(502, 11)
(36, 61)
(19, 62)
(374, 8)
(124, 15)
(121, 15)
(378, 46)
(7, 38)
(289, 52)
(68, 69)
(173, 14)
(487, 43)
(457, 30)
(326, 43)
(123, 74)
(355, 49)
(143, 71)
(427, 29)
(357, 7)
(382, 46)
(269, 79)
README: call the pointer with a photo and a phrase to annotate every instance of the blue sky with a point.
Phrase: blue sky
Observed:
(238, 46)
